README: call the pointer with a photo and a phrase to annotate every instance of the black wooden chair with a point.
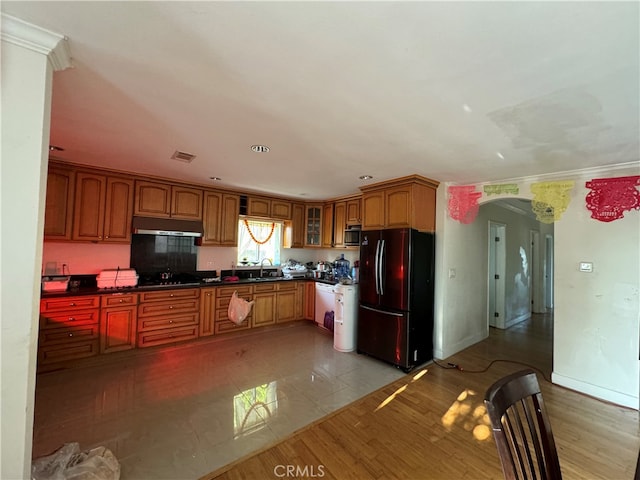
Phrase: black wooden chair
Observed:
(521, 428)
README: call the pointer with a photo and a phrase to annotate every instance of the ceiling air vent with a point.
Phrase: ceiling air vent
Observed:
(182, 156)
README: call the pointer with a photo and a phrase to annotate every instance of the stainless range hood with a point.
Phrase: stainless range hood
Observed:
(167, 227)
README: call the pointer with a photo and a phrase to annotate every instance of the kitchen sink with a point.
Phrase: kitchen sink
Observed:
(265, 279)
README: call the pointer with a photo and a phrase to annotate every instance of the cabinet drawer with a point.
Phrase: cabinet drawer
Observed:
(167, 335)
(224, 325)
(69, 335)
(223, 314)
(155, 323)
(59, 319)
(62, 352)
(119, 300)
(286, 286)
(265, 287)
(160, 295)
(172, 307)
(243, 291)
(69, 303)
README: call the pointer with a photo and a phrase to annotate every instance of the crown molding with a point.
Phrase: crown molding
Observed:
(37, 39)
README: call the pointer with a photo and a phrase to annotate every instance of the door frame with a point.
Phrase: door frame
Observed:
(496, 265)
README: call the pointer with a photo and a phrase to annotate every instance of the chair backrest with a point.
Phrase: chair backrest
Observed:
(521, 428)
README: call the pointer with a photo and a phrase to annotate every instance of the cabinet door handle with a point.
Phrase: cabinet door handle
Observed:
(72, 304)
(171, 294)
(170, 307)
(170, 321)
(121, 301)
(72, 319)
(71, 334)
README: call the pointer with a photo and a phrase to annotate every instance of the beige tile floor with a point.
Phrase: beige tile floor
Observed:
(183, 412)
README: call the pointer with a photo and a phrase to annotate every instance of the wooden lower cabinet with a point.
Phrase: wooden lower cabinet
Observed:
(309, 300)
(69, 329)
(118, 324)
(207, 311)
(222, 323)
(300, 299)
(76, 327)
(264, 306)
(286, 301)
(168, 316)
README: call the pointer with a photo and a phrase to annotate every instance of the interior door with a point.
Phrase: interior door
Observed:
(496, 275)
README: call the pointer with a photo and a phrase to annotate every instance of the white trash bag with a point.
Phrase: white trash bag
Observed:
(239, 308)
(69, 463)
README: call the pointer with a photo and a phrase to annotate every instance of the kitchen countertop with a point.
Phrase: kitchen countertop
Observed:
(145, 288)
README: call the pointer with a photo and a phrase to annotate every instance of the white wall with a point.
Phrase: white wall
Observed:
(596, 315)
(26, 102)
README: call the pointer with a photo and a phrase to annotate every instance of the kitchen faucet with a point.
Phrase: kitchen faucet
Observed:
(262, 265)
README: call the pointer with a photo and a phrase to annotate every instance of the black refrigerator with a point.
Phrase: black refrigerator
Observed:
(395, 311)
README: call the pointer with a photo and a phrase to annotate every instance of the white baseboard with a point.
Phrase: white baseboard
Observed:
(461, 345)
(595, 391)
(521, 318)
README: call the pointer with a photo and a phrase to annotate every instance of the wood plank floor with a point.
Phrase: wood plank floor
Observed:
(431, 424)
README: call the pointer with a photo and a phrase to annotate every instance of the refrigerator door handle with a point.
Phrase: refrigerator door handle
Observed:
(380, 265)
(375, 267)
(393, 314)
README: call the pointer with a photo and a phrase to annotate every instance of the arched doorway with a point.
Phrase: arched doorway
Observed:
(519, 263)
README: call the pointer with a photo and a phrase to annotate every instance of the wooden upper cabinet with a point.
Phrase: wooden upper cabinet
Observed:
(154, 199)
(327, 225)
(352, 213)
(229, 220)
(220, 218)
(281, 209)
(211, 217)
(398, 207)
(186, 203)
(268, 208)
(339, 223)
(118, 210)
(401, 203)
(103, 208)
(88, 218)
(313, 226)
(258, 207)
(373, 216)
(297, 225)
(58, 219)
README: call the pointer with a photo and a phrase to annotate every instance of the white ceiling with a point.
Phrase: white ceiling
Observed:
(342, 89)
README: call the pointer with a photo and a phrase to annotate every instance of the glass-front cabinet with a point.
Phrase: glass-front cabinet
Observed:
(313, 222)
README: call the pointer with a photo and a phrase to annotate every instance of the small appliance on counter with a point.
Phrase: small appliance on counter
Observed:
(55, 283)
(117, 278)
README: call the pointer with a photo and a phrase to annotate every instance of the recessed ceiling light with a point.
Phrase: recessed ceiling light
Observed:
(54, 148)
(260, 148)
(365, 177)
(500, 156)
(215, 179)
(466, 108)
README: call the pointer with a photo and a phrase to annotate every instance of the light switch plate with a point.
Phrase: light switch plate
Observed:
(586, 267)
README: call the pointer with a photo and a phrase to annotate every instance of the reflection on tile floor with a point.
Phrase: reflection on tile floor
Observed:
(181, 413)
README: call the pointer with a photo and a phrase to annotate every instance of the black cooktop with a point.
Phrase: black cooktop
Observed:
(159, 279)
